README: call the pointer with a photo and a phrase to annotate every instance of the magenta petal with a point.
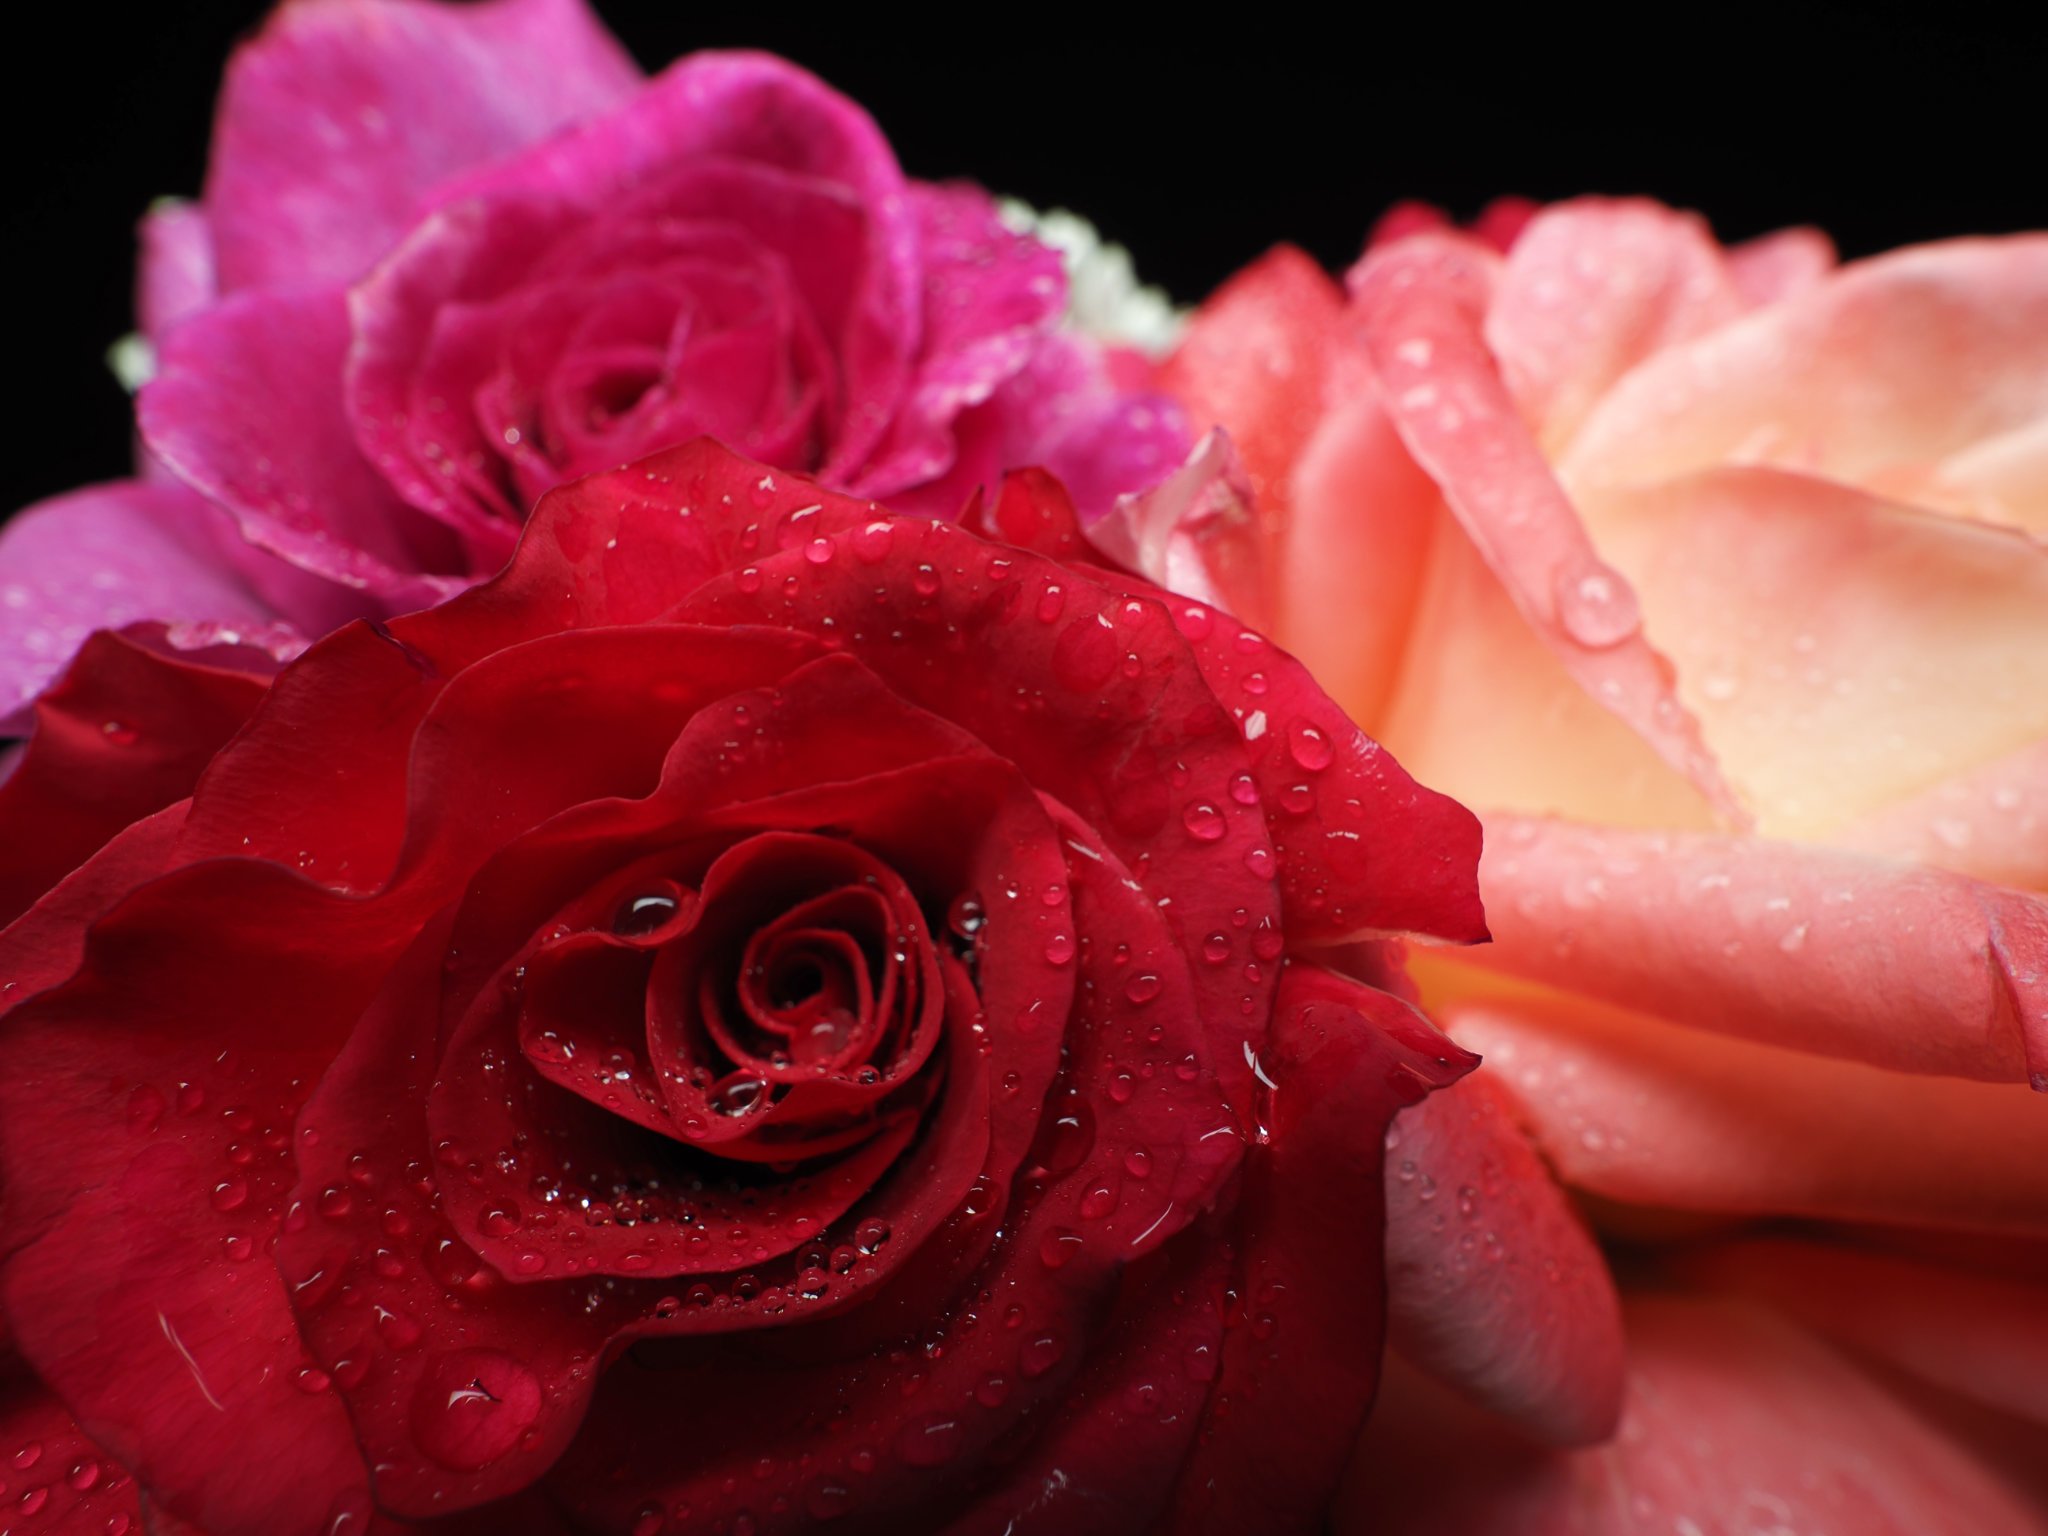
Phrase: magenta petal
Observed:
(1064, 412)
(338, 118)
(989, 294)
(99, 558)
(247, 408)
(175, 274)
(750, 109)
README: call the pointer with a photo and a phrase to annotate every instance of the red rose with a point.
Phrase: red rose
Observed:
(768, 1013)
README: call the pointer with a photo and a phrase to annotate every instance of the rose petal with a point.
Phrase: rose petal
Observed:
(1591, 288)
(988, 295)
(1837, 953)
(57, 1479)
(1841, 652)
(1735, 1421)
(1493, 1283)
(1362, 518)
(1254, 359)
(1106, 1466)
(1780, 265)
(751, 109)
(174, 268)
(1657, 1115)
(918, 1427)
(1343, 816)
(246, 407)
(1889, 365)
(1983, 1336)
(125, 734)
(338, 119)
(1296, 1379)
(1421, 303)
(1989, 822)
(1195, 533)
(99, 558)
(143, 1173)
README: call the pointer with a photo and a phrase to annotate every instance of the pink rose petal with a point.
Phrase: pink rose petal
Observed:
(246, 407)
(1984, 1336)
(1886, 367)
(1736, 1422)
(339, 117)
(1838, 953)
(1659, 1115)
(98, 558)
(1422, 302)
(1493, 1283)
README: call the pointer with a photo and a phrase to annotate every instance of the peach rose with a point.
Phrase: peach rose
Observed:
(1715, 579)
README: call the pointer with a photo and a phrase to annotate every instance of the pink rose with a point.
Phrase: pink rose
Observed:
(1714, 578)
(450, 256)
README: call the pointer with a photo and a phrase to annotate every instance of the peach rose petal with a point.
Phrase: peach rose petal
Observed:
(1781, 264)
(1980, 1335)
(2003, 479)
(1488, 713)
(1736, 1422)
(1361, 519)
(1841, 652)
(1254, 357)
(1658, 1115)
(1590, 289)
(1990, 823)
(1421, 302)
(1493, 1284)
(1891, 364)
(1838, 953)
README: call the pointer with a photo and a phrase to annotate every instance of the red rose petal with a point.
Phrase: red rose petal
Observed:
(125, 734)
(914, 1426)
(1299, 1368)
(52, 1477)
(1358, 847)
(137, 1284)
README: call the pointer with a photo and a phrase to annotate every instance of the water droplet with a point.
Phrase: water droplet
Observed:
(925, 580)
(1596, 606)
(1143, 987)
(231, 1194)
(736, 1096)
(1216, 948)
(819, 551)
(641, 915)
(827, 1498)
(1261, 863)
(1204, 822)
(1059, 949)
(1309, 747)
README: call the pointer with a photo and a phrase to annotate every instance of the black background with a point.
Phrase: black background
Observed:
(1196, 143)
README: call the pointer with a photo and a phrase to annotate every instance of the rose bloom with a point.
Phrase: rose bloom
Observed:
(769, 1014)
(1713, 578)
(450, 255)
